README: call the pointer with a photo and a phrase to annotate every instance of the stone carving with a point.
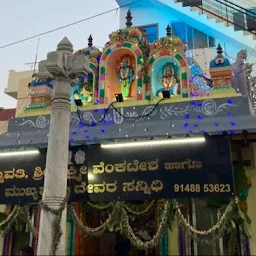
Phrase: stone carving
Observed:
(62, 63)
(43, 75)
(239, 82)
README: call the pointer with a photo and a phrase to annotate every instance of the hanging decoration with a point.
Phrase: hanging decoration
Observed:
(231, 220)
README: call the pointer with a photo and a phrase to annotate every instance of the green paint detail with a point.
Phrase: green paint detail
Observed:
(184, 76)
(148, 97)
(71, 238)
(148, 80)
(151, 60)
(108, 51)
(139, 82)
(185, 95)
(102, 70)
(178, 57)
(126, 32)
(128, 45)
(92, 66)
(139, 59)
(34, 107)
(102, 93)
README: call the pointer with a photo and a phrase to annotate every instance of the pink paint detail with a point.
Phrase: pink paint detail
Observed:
(137, 52)
(102, 77)
(185, 85)
(102, 101)
(139, 96)
(139, 74)
(133, 33)
(148, 87)
(149, 67)
(118, 45)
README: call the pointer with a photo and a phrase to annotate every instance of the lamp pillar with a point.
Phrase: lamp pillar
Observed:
(61, 66)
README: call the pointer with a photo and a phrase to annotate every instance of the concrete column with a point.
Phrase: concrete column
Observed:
(62, 66)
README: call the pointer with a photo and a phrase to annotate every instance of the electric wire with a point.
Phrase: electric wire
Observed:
(111, 105)
(69, 25)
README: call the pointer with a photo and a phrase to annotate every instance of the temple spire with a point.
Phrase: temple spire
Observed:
(90, 39)
(65, 45)
(129, 19)
(219, 50)
(168, 30)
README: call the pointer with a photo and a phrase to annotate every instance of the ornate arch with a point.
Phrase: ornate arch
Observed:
(136, 51)
(182, 63)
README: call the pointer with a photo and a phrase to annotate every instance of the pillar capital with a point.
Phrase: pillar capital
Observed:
(63, 64)
(43, 74)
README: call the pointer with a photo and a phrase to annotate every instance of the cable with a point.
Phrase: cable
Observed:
(99, 121)
(243, 70)
(117, 111)
(69, 25)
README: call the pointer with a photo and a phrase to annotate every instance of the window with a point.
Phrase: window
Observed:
(151, 32)
(191, 36)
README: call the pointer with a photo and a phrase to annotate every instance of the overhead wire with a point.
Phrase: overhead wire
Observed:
(69, 25)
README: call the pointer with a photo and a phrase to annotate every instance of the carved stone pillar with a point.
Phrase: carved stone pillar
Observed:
(62, 66)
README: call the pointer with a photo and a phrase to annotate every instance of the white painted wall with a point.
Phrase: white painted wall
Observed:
(146, 14)
(153, 11)
(245, 3)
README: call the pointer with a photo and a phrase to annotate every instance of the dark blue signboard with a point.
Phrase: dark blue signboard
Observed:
(135, 173)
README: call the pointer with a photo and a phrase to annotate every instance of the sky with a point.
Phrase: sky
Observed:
(21, 19)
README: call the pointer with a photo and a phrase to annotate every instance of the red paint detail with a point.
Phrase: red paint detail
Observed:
(6, 114)
(182, 63)
(148, 87)
(164, 53)
(77, 232)
(104, 57)
(139, 96)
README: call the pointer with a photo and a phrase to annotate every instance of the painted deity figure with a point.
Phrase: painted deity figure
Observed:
(126, 75)
(84, 90)
(168, 80)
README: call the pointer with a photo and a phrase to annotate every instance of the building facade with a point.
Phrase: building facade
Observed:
(148, 59)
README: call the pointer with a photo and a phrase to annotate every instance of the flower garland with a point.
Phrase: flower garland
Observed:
(100, 206)
(118, 219)
(144, 211)
(88, 231)
(136, 242)
(57, 232)
(217, 226)
(10, 216)
(18, 212)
